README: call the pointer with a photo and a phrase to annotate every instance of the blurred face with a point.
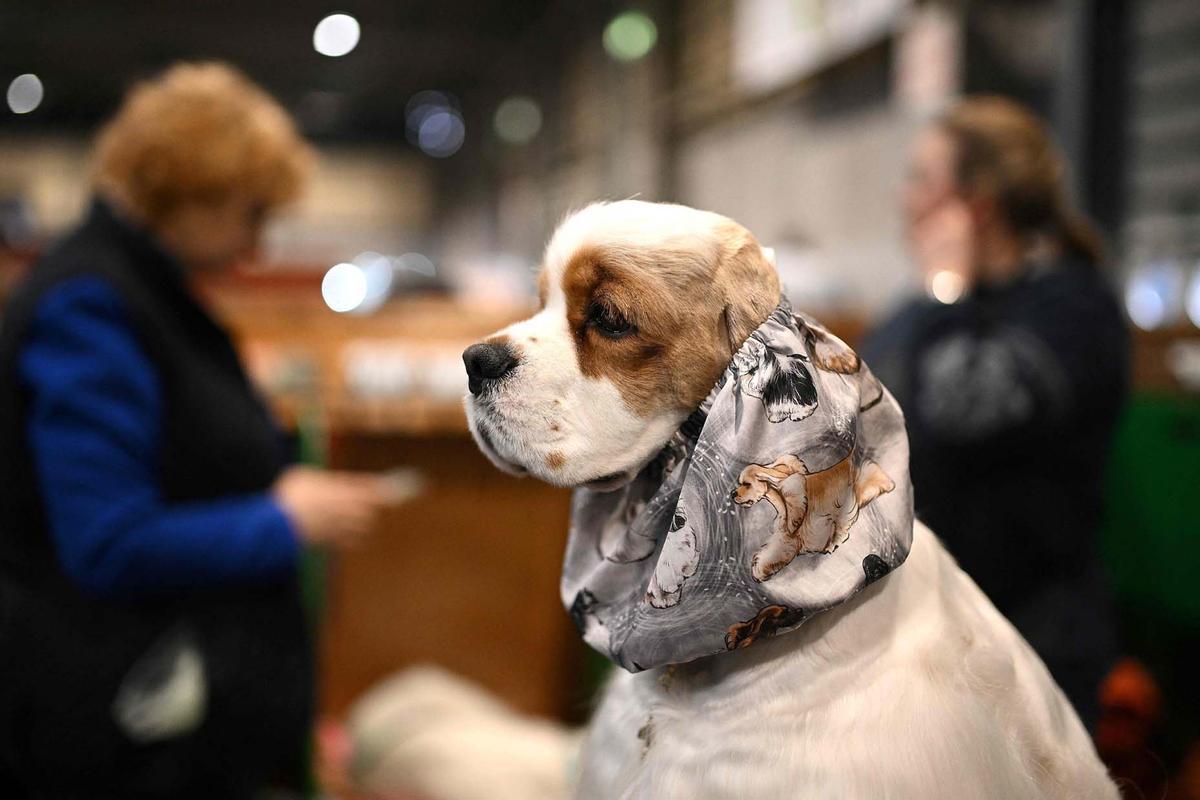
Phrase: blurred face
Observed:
(213, 236)
(930, 182)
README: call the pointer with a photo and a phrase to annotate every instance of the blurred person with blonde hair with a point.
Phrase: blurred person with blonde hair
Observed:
(1011, 377)
(152, 642)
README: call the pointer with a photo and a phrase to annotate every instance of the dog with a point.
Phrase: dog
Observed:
(916, 687)
(677, 564)
(814, 510)
(781, 381)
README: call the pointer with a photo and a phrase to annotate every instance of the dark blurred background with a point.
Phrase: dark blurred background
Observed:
(454, 135)
(785, 115)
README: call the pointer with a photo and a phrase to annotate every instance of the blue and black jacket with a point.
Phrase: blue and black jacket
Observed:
(135, 461)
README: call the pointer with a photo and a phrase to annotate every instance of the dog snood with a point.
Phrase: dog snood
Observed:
(783, 495)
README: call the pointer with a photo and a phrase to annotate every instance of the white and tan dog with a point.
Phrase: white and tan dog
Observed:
(915, 688)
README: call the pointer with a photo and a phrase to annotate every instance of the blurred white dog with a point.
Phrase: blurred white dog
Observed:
(428, 732)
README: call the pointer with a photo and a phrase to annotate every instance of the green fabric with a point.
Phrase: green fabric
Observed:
(1151, 536)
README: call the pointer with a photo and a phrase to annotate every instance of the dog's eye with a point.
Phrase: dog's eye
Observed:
(609, 322)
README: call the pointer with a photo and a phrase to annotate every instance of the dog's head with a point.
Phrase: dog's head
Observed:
(642, 307)
(781, 380)
(757, 479)
(752, 486)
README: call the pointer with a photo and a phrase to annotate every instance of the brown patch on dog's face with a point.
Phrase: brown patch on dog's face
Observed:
(662, 325)
(555, 459)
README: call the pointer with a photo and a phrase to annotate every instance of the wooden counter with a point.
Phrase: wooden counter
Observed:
(466, 576)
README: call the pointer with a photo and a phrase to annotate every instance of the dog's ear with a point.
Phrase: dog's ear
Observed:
(772, 479)
(747, 283)
(761, 473)
(796, 499)
(788, 465)
(731, 331)
(790, 389)
(829, 352)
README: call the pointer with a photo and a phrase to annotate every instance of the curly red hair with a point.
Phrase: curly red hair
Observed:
(200, 133)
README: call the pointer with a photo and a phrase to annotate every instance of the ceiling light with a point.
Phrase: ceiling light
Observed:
(25, 93)
(336, 35)
(630, 35)
(518, 119)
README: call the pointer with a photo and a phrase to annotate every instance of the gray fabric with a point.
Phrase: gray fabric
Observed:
(783, 495)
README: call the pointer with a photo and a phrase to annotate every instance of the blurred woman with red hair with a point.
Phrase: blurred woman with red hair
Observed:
(151, 637)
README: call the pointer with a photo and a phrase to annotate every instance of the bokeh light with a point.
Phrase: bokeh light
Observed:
(946, 286)
(344, 287)
(434, 123)
(378, 271)
(518, 119)
(441, 133)
(336, 35)
(1145, 306)
(426, 102)
(1154, 294)
(25, 93)
(630, 35)
(416, 262)
(1192, 303)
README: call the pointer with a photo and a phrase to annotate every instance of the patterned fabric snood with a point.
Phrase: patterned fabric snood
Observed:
(782, 495)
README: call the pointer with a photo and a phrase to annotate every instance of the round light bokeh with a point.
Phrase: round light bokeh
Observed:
(336, 35)
(441, 134)
(25, 93)
(416, 262)
(1145, 306)
(1154, 294)
(434, 123)
(630, 35)
(378, 271)
(518, 120)
(946, 286)
(425, 102)
(344, 287)
(1192, 301)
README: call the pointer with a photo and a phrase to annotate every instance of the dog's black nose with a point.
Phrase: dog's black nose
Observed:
(487, 363)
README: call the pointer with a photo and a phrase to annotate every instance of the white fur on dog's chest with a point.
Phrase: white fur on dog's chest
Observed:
(915, 689)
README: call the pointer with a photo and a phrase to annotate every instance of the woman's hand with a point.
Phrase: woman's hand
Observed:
(334, 508)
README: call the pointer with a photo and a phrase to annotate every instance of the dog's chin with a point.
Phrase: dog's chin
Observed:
(484, 439)
(603, 483)
(522, 460)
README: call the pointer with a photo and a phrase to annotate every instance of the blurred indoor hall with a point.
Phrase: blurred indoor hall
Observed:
(451, 137)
